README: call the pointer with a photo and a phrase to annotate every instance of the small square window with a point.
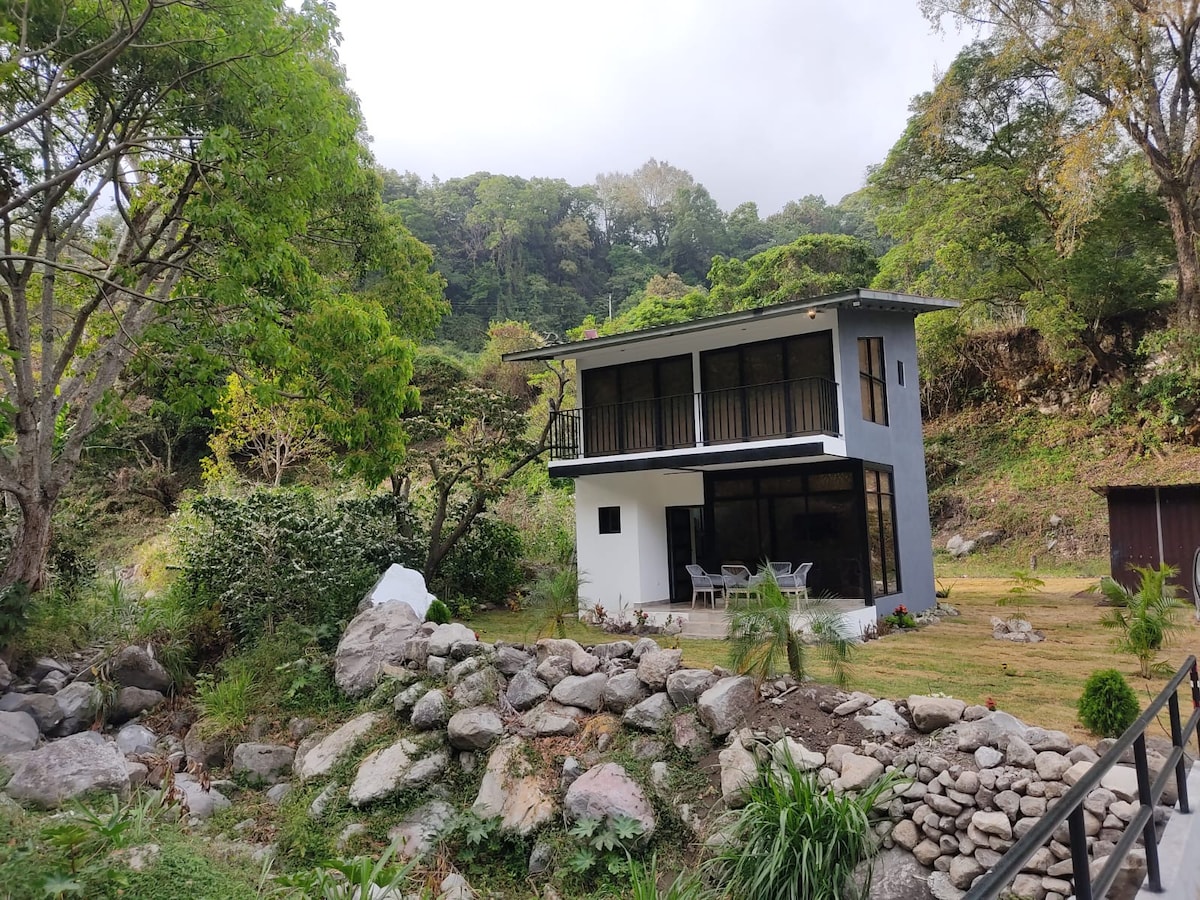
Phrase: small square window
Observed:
(610, 520)
(900, 372)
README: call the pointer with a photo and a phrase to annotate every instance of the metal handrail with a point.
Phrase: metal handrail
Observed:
(793, 408)
(1069, 809)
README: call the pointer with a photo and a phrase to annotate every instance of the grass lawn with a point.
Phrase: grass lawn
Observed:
(1039, 683)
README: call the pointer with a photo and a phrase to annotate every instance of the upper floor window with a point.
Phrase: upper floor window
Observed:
(872, 380)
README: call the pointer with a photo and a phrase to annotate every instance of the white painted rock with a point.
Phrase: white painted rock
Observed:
(400, 585)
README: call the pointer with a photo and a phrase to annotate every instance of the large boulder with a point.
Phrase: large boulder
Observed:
(324, 754)
(605, 792)
(136, 739)
(725, 705)
(474, 729)
(552, 719)
(446, 637)
(512, 791)
(263, 763)
(431, 711)
(739, 769)
(18, 732)
(47, 713)
(525, 690)
(478, 688)
(993, 730)
(399, 584)
(374, 638)
(80, 764)
(548, 647)
(931, 713)
(136, 667)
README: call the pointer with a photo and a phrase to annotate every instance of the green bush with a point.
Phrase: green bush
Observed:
(485, 564)
(1108, 705)
(438, 612)
(277, 554)
(797, 840)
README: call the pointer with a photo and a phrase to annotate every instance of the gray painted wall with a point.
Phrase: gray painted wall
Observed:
(899, 444)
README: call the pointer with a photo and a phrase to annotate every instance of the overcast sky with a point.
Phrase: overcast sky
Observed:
(763, 100)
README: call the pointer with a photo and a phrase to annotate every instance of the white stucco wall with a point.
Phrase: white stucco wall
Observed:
(630, 567)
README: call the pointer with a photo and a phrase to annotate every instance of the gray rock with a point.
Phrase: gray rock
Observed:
(373, 639)
(988, 757)
(261, 764)
(1041, 739)
(540, 858)
(42, 707)
(1051, 765)
(445, 637)
(623, 691)
(79, 702)
(551, 719)
(895, 875)
(278, 793)
(431, 712)
(856, 702)
(685, 686)
(325, 753)
(71, 767)
(1019, 753)
(525, 691)
(940, 885)
(510, 660)
(926, 852)
(725, 705)
(18, 732)
(131, 702)
(202, 802)
(882, 718)
(461, 670)
(417, 833)
(202, 749)
(858, 772)
(993, 730)
(613, 650)
(993, 823)
(606, 791)
(584, 663)
(553, 669)
(688, 735)
(321, 802)
(406, 699)
(964, 870)
(564, 647)
(474, 729)
(906, 835)
(739, 769)
(512, 790)
(931, 713)
(571, 769)
(6, 676)
(136, 667)
(478, 689)
(427, 770)
(584, 691)
(436, 666)
(655, 666)
(136, 739)
(643, 646)
(382, 772)
(52, 682)
(652, 714)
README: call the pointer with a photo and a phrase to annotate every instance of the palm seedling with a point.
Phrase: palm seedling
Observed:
(1146, 617)
(768, 625)
(554, 598)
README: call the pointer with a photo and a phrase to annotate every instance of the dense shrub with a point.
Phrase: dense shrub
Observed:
(278, 554)
(438, 612)
(1108, 705)
(485, 564)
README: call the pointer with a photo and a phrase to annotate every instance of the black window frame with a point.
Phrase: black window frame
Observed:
(609, 519)
(889, 543)
(875, 407)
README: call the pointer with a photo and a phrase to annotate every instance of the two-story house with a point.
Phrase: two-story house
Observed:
(786, 433)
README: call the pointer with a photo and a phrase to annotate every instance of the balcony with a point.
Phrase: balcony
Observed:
(761, 412)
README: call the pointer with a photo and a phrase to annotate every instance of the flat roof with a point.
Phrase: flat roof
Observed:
(861, 298)
(1105, 489)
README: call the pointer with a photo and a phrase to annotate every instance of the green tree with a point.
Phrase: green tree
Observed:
(1145, 617)
(1126, 70)
(162, 166)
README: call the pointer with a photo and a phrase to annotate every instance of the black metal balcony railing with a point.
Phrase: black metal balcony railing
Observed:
(758, 412)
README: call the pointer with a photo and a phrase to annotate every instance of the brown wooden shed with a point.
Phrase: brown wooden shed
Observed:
(1152, 524)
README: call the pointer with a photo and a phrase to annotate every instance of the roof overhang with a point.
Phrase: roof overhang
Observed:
(1105, 489)
(880, 301)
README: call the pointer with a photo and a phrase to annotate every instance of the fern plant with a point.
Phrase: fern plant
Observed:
(767, 625)
(1146, 617)
(554, 598)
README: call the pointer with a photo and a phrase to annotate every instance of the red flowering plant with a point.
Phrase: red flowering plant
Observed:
(900, 618)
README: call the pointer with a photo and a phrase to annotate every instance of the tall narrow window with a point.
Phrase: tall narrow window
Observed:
(881, 532)
(872, 380)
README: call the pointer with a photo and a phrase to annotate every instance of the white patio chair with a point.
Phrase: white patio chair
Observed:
(780, 568)
(737, 580)
(703, 583)
(795, 582)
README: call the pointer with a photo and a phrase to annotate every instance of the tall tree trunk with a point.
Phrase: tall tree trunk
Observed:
(27, 561)
(1186, 230)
